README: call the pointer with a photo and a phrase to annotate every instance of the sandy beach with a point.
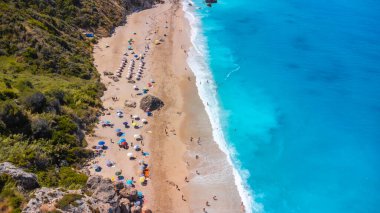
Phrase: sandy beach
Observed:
(187, 170)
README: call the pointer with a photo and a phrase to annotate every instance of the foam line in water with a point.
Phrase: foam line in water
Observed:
(197, 61)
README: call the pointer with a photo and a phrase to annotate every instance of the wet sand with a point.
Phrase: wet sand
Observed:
(167, 136)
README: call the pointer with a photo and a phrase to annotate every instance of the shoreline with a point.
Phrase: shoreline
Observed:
(200, 67)
(167, 134)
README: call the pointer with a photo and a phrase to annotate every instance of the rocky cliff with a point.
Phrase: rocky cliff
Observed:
(99, 195)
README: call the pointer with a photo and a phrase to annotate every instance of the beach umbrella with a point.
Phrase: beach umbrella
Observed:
(118, 130)
(149, 113)
(120, 177)
(140, 194)
(124, 143)
(108, 122)
(136, 147)
(122, 140)
(125, 123)
(142, 179)
(118, 173)
(134, 124)
(135, 117)
(129, 182)
(138, 203)
(130, 154)
(109, 163)
(142, 168)
(144, 121)
(101, 143)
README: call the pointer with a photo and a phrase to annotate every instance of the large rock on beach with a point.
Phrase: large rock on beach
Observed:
(129, 193)
(150, 103)
(24, 180)
(103, 190)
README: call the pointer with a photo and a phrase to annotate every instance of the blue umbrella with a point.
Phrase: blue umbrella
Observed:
(139, 194)
(108, 122)
(101, 143)
(118, 130)
(129, 182)
(122, 140)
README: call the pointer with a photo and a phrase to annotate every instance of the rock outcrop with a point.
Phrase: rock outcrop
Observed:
(130, 194)
(25, 181)
(98, 196)
(150, 103)
(103, 190)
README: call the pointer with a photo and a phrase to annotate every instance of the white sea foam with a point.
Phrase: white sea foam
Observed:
(232, 71)
(198, 62)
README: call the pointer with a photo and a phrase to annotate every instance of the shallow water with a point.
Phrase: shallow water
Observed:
(298, 83)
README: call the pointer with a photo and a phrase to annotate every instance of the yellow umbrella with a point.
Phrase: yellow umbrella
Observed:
(134, 124)
(142, 179)
(113, 178)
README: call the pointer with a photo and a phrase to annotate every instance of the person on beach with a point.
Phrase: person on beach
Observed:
(186, 180)
(207, 203)
(214, 198)
(196, 157)
(196, 171)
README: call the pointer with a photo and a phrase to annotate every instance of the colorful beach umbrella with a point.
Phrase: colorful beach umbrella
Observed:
(101, 143)
(118, 130)
(142, 179)
(129, 182)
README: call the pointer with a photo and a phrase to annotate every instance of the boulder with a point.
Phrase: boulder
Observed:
(136, 209)
(24, 180)
(131, 104)
(150, 103)
(102, 190)
(147, 211)
(129, 193)
(93, 182)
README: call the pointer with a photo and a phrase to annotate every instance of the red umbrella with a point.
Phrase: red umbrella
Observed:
(124, 143)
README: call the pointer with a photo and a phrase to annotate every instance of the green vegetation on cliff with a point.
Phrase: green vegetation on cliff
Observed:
(49, 88)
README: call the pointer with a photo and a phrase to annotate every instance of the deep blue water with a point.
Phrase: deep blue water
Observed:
(299, 85)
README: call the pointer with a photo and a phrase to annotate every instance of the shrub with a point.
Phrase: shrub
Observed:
(35, 102)
(70, 179)
(41, 128)
(13, 118)
(68, 199)
(9, 193)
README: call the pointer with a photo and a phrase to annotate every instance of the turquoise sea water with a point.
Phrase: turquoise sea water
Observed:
(298, 86)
